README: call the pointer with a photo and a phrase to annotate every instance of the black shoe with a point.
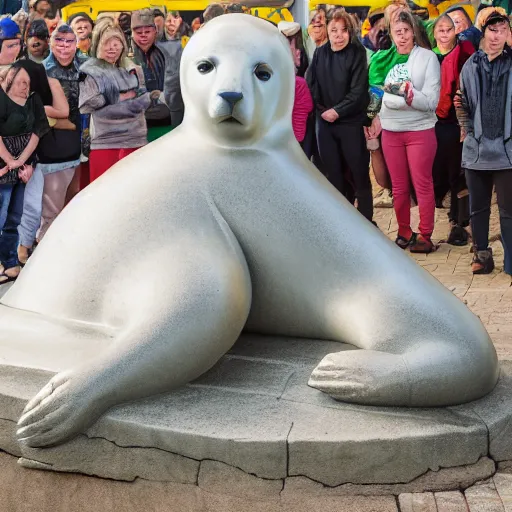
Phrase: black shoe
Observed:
(458, 236)
(403, 243)
(483, 262)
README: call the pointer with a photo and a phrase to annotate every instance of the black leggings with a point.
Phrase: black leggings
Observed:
(480, 184)
(343, 146)
(447, 172)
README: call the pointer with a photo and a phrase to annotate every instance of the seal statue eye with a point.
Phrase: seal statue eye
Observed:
(263, 72)
(204, 67)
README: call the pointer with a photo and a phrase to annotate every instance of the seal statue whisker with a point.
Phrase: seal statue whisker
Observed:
(220, 227)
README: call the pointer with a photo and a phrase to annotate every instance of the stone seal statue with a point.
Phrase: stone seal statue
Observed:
(152, 272)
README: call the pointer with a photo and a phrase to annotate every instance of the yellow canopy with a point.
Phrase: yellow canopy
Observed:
(261, 8)
(433, 11)
(372, 4)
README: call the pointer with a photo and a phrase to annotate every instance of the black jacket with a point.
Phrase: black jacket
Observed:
(339, 80)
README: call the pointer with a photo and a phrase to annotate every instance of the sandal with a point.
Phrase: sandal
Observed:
(8, 279)
(5, 278)
(483, 262)
(403, 243)
(423, 245)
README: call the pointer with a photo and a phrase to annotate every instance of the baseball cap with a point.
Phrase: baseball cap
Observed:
(143, 18)
(9, 29)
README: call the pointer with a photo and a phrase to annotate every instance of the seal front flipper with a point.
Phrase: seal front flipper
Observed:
(183, 324)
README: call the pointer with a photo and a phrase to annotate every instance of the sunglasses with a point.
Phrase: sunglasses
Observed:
(65, 42)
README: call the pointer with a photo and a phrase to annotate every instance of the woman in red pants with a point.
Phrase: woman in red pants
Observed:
(112, 94)
(410, 77)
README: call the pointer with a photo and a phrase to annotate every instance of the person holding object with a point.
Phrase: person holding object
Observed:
(411, 80)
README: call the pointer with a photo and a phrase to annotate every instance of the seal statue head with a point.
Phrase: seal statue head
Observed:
(238, 81)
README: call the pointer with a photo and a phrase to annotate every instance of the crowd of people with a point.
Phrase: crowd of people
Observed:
(425, 104)
(425, 100)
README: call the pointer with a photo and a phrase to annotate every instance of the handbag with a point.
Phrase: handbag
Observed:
(15, 145)
(59, 146)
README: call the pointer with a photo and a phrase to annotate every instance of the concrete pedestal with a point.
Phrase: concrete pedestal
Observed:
(251, 427)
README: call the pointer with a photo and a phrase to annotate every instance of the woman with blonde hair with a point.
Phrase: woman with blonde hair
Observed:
(113, 94)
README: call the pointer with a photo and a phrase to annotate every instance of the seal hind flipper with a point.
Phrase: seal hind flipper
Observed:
(412, 379)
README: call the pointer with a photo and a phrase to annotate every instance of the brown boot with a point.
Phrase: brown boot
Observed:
(483, 262)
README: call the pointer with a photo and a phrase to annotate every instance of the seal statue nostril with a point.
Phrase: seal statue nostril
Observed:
(231, 97)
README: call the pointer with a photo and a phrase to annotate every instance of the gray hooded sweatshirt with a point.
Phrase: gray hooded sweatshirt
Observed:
(486, 103)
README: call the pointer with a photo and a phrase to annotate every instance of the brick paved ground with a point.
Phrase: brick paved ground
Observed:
(489, 297)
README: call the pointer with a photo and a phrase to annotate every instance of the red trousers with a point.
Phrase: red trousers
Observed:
(101, 160)
(409, 157)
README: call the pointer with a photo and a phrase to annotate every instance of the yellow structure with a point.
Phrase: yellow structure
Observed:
(94, 7)
(433, 11)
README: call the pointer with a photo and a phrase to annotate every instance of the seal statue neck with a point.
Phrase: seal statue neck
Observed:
(279, 135)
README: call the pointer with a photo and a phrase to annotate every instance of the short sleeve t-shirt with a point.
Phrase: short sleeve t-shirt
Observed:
(397, 74)
(382, 64)
(20, 119)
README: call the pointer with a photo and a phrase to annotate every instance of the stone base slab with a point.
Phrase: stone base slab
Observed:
(252, 427)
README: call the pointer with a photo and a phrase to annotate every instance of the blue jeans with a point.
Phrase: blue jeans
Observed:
(5, 199)
(11, 209)
(32, 208)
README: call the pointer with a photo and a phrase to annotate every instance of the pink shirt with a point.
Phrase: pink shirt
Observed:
(302, 107)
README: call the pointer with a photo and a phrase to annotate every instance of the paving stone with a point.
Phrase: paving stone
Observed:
(340, 504)
(424, 502)
(450, 502)
(503, 484)
(446, 269)
(483, 497)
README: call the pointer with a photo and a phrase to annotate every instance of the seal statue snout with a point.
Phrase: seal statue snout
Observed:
(231, 97)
